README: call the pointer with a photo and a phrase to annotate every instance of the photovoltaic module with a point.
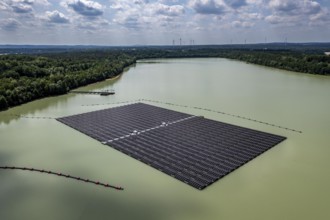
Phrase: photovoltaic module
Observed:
(192, 149)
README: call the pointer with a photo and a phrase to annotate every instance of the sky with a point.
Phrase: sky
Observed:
(163, 22)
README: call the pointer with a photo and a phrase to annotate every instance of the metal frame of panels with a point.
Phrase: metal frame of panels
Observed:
(194, 150)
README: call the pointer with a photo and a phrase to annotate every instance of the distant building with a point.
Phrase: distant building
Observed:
(327, 53)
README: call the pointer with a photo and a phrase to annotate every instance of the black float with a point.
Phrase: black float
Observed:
(192, 149)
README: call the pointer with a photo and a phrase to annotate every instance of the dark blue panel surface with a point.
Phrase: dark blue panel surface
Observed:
(192, 149)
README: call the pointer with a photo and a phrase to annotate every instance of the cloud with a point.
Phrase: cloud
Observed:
(312, 7)
(22, 8)
(28, 2)
(85, 7)
(3, 6)
(129, 20)
(140, 2)
(289, 7)
(285, 6)
(142, 14)
(94, 25)
(42, 2)
(242, 24)
(173, 10)
(215, 7)
(9, 24)
(290, 13)
(236, 3)
(57, 17)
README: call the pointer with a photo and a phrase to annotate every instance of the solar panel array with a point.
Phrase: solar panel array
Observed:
(195, 150)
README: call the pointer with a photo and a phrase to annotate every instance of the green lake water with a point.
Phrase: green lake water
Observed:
(290, 181)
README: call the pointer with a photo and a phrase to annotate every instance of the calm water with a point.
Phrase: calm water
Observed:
(291, 181)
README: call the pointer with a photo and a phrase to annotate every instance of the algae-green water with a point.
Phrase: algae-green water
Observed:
(290, 181)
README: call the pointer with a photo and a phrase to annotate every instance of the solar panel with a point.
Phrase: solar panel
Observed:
(192, 149)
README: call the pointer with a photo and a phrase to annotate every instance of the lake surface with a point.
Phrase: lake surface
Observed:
(290, 181)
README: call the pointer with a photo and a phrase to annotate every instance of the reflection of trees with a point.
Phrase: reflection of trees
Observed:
(32, 109)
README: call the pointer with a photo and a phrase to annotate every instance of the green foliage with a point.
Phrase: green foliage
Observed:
(297, 61)
(24, 78)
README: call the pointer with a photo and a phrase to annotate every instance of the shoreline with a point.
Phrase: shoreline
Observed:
(115, 77)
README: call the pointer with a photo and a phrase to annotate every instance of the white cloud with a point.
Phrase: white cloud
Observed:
(93, 25)
(28, 2)
(169, 10)
(290, 13)
(3, 6)
(284, 6)
(84, 7)
(160, 19)
(9, 24)
(42, 2)
(215, 7)
(242, 24)
(57, 17)
(22, 8)
(141, 14)
(236, 3)
(289, 7)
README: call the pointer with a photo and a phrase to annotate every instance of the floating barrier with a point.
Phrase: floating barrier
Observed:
(61, 175)
(32, 117)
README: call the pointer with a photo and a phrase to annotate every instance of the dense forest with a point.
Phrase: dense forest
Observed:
(26, 77)
(312, 62)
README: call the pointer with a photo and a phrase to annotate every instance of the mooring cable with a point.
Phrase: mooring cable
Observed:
(199, 108)
(61, 175)
(223, 113)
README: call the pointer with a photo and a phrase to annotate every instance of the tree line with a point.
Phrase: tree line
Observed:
(313, 62)
(24, 78)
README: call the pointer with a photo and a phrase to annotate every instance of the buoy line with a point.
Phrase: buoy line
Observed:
(114, 103)
(31, 117)
(224, 113)
(62, 175)
(203, 109)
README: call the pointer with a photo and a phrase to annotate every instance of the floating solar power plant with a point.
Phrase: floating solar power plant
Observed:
(192, 149)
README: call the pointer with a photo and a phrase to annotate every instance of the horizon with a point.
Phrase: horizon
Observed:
(166, 45)
(163, 22)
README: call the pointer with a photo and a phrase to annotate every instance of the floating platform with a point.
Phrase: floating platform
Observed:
(192, 149)
(102, 93)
